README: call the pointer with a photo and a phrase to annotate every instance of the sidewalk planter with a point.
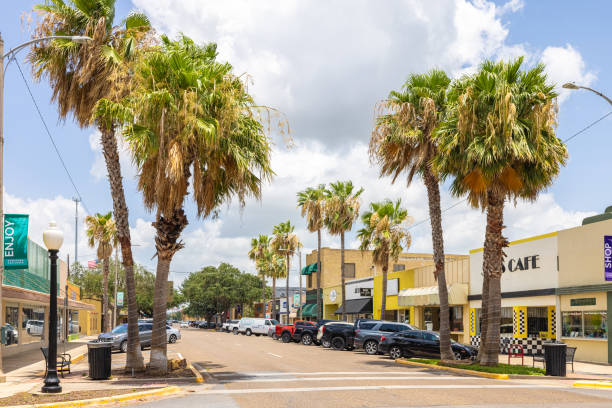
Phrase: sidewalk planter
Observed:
(99, 355)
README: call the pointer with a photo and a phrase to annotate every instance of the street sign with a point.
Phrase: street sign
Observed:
(119, 299)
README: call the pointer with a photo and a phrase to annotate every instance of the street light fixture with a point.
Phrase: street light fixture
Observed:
(573, 86)
(53, 238)
(79, 39)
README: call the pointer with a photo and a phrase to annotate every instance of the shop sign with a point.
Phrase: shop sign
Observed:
(365, 292)
(15, 241)
(521, 264)
(607, 253)
(583, 302)
(333, 295)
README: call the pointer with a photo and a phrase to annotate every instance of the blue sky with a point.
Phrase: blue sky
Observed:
(326, 66)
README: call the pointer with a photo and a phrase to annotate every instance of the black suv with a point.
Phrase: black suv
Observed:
(369, 332)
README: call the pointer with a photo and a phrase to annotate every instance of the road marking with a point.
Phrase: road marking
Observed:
(280, 373)
(379, 387)
(275, 355)
(247, 380)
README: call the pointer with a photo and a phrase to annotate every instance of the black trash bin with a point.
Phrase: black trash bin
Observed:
(99, 355)
(555, 357)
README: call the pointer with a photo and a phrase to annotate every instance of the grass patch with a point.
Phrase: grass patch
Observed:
(26, 398)
(499, 369)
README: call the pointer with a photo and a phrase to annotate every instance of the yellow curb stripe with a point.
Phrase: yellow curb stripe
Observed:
(455, 370)
(104, 400)
(79, 358)
(592, 384)
(199, 378)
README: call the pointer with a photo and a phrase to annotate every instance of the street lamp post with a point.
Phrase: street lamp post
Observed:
(10, 55)
(53, 238)
(573, 86)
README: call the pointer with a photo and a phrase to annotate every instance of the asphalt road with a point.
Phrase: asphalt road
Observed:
(243, 371)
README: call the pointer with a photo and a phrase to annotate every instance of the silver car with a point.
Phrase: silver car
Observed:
(118, 336)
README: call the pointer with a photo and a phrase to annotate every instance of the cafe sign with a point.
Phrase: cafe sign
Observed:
(15, 248)
(607, 254)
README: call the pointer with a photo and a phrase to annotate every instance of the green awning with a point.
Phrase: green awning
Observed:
(309, 310)
(309, 269)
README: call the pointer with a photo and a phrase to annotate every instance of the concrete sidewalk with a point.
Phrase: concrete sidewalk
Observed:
(581, 369)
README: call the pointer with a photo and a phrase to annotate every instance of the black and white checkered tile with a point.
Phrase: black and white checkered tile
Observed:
(531, 345)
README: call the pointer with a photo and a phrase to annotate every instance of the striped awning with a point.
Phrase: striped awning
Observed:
(309, 269)
(428, 296)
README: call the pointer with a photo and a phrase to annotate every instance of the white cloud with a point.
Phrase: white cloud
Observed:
(565, 64)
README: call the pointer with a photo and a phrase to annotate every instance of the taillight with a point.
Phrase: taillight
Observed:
(382, 338)
(356, 332)
(323, 329)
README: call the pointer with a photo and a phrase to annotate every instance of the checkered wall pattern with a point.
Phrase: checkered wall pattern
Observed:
(531, 345)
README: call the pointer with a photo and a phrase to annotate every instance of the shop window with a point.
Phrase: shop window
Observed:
(11, 324)
(585, 324)
(32, 323)
(537, 320)
(73, 322)
(456, 318)
(349, 270)
(399, 267)
(505, 325)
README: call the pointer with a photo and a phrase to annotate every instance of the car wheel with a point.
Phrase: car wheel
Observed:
(172, 339)
(235, 330)
(338, 343)
(248, 332)
(325, 343)
(458, 356)
(286, 337)
(307, 339)
(395, 352)
(370, 347)
(123, 346)
(274, 337)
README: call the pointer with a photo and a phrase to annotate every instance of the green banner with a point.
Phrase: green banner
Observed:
(15, 241)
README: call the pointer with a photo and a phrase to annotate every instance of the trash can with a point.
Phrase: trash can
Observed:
(555, 357)
(99, 355)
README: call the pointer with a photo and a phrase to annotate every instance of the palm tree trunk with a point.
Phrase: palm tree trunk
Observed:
(105, 272)
(134, 360)
(435, 216)
(319, 311)
(167, 244)
(287, 289)
(343, 277)
(274, 297)
(383, 301)
(496, 243)
(484, 316)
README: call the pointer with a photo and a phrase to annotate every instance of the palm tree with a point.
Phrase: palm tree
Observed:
(383, 232)
(311, 201)
(188, 120)
(499, 144)
(284, 243)
(257, 253)
(275, 267)
(403, 141)
(341, 210)
(80, 75)
(102, 234)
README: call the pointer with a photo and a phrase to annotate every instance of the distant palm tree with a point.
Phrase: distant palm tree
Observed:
(102, 235)
(285, 243)
(384, 231)
(342, 204)
(312, 203)
(403, 141)
(499, 143)
(257, 253)
(80, 75)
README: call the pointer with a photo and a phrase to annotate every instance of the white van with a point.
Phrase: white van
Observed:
(255, 325)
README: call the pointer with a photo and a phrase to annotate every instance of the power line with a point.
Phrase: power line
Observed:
(584, 129)
(50, 137)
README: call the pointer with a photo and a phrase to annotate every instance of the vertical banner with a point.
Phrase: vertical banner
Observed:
(607, 253)
(15, 241)
(119, 299)
(296, 300)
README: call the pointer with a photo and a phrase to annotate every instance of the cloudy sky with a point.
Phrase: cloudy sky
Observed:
(324, 64)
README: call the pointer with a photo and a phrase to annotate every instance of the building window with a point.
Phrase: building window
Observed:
(11, 324)
(585, 324)
(505, 325)
(32, 323)
(309, 281)
(399, 267)
(537, 320)
(456, 318)
(349, 270)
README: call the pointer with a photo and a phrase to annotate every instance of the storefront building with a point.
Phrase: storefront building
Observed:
(359, 295)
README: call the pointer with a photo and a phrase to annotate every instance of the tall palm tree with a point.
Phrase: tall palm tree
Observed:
(499, 144)
(257, 253)
(403, 141)
(342, 204)
(384, 231)
(285, 243)
(188, 120)
(79, 76)
(102, 235)
(312, 203)
(275, 268)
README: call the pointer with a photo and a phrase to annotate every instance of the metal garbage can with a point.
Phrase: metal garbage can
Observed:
(99, 355)
(555, 355)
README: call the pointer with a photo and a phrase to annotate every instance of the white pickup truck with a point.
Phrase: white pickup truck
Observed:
(230, 326)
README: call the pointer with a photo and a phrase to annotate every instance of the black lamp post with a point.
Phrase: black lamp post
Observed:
(53, 239)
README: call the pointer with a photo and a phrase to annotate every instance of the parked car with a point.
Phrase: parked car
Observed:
(421, 343)
(35, 327)
(286, 332)
(255, 325)
(118, 336)
(231, 326)
(206, 325)
(338, 335)
(184, 325)
(369, 332)
(307, 333)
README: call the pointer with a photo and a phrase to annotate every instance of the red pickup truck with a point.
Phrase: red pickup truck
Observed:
(285, 332)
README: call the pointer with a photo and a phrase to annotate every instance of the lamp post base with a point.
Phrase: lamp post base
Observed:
(52, 384)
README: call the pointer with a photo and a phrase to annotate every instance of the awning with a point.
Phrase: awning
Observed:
(426, 296)
(309, 310)
(309, 269)
(356, 306)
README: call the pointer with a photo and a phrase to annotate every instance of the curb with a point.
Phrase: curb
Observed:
(593, 384)
(104, 400)
(79, 358)
(198, 375)
(455, 370)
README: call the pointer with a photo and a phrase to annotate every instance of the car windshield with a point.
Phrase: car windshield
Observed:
(120, 329)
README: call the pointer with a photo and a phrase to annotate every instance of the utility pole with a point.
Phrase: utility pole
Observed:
(300, 277)
(66, 331)
(76, 200)
(2, 376)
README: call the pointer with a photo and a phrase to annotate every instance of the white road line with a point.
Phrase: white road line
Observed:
(404, 378)
(280, 373)
(379, 387)
(275, 355)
